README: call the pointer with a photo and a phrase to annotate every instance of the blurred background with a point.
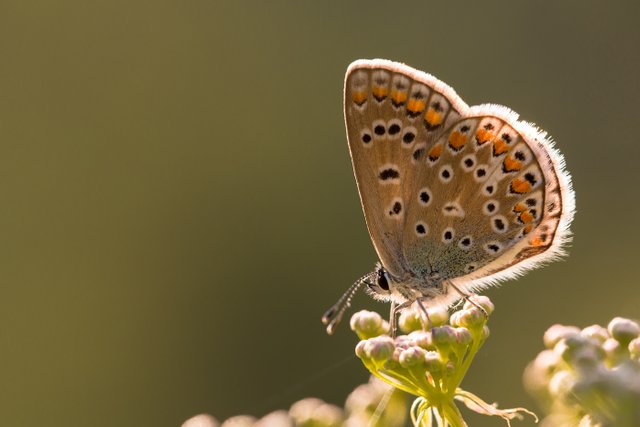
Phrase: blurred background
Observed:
(178, 206)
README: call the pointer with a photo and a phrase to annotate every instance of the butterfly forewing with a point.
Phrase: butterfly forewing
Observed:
(393, 119)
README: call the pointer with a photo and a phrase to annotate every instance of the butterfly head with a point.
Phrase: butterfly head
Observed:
(380, 282)
(385, 286)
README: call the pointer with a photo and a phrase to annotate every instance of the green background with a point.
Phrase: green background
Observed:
(178, 206)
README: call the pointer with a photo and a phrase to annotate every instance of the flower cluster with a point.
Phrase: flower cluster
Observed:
(589, 377)
(374, 401)
(429, 363)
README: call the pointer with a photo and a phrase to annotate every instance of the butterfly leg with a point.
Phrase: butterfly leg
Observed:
(392, 320)
(393, 316)
(467, 297)
(425, 315)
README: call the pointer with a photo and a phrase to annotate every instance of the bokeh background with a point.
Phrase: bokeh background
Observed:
(178, 206)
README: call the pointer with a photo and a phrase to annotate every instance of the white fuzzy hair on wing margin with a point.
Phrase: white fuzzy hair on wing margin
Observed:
(506, 114)
(420, 76)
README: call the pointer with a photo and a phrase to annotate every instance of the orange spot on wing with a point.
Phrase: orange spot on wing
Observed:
(483, 135)
(526, 217)
(520, 186)
(359, 97)
(415, 106)
(520, 207)
(435, 152)
(510, 164)
(433, 117)
(527, 229)
(499, 147)
(398, 97)
(537, 241)
(380, 91)
(457, 140)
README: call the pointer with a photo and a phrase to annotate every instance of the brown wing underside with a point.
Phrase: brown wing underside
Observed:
(392, 120)
(443, 191)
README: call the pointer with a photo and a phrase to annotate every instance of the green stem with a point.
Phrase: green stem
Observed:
(452, 414)
(476, 343)
(424, 383)
(398, 381)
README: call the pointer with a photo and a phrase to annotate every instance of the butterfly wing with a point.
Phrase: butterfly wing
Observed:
(393, 114)
(499, 201)
(539, 192)
(470, 194)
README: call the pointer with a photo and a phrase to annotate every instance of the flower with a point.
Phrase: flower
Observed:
(313, 412)
(373, 403)
(430, 364)
(201, 420)
(588, 377)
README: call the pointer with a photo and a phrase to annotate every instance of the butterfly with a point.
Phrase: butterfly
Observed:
(455, 198)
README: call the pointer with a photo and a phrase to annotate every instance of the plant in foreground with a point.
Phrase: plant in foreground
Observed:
(430, 364)
(589, 377)
(364, 404)
(427, 363)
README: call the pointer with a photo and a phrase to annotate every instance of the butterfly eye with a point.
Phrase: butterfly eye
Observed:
(383, 280)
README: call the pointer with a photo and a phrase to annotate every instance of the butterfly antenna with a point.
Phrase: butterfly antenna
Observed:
(332, 317)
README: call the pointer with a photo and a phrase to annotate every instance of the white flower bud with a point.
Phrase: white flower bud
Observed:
(202, 420)
(367, 324)
(413, 357)
(596, 332)
(275, 419)
(379, 349)
(240, 421)
(557, 332)
(623, 330)
(482, 301)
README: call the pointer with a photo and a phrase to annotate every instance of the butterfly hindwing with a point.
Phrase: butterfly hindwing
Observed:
(477, 209)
